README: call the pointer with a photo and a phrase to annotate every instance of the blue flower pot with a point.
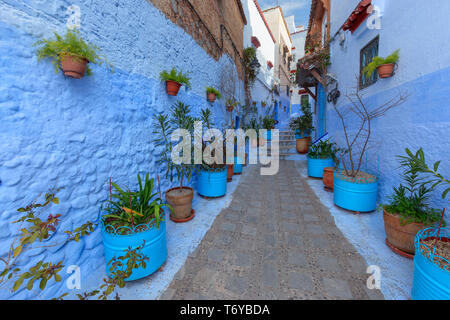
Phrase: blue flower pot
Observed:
(212, 184)
(269, 135)
(360, 197)
(237, 167)
(316, 166)
(430, 281)
(155, 248)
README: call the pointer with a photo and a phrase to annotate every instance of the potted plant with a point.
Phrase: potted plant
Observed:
(174, 80)
(263, 104)
(384, 66)
(212, 179)
(212, 94)
(320, 156)
(130, 218)
(180, 198)
(432, 245)
(354, 189)
(408, 210)
(302, 126)
(231, 104)
(71, 53)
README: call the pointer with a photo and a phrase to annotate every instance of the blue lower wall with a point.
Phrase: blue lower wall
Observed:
(77, 134)
(423, 121)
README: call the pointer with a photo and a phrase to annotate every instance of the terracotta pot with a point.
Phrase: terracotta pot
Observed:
(211, 97)
(73, 67)
(386, 70)
(172, 87)
(328, 177)
(230, 108)
(230, 173)
(181, 202)
(398, 235)
(303, 145)
(263, 105)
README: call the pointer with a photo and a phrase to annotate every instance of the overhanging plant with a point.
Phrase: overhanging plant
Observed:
(380, 61)
(70, 52)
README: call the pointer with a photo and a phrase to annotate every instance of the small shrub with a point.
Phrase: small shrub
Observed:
(215, 91)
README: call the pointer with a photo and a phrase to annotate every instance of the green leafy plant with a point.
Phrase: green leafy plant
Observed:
(410, 201)
(304, 123)
(214, 91)
(72, 45)
(268, 122)
(36, 232)
(173, 75)
(208, 124)
(163, 127)
(325, 150)
(133, 208)
(379, 61)
(419, 163)
(251, 68)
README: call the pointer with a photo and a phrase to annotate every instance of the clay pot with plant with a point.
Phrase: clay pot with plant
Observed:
(302, 126)
(174, 80)
(408, 211)
(384, 66)
(231, 104)
(212, 94)
(180, 198)
(70, 53)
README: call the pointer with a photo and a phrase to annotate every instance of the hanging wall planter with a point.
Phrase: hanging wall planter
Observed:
(212, 184)
(384, 66)
(125, 226)
(174, 80)
(74, 59)
(212, 94)
(432, 265)
(386, 70)
(355, 194)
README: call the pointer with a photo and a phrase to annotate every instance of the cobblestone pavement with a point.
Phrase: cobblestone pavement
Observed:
(275, 241)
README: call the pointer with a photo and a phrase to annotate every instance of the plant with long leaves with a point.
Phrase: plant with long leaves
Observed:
(418, 160)
(128, 208)
(410, 201)
(208, 124)
(173, 75)
(163, 128)
(325, 150)
(71, 44)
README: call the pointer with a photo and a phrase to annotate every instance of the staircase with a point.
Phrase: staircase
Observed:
(287, 145)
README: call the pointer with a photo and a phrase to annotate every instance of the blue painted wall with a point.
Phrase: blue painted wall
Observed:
(423, 71)
(77, 133)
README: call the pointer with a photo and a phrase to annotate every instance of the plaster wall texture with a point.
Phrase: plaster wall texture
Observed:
(77, 134)
(423, 71)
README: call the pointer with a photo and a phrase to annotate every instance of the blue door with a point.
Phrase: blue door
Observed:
(321, 111)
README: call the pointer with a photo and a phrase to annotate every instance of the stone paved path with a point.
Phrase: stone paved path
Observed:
(275, 241)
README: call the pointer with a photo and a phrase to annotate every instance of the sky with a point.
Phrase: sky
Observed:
(298, 8)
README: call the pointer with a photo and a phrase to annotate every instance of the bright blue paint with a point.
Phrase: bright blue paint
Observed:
(430, 281)
(316, 166)
(361, 197)
(78, 133)
(212, 184)
(298, 135)
(237, 167)
(155, 248)
(321, 109)
(269, 135)
(276, 111)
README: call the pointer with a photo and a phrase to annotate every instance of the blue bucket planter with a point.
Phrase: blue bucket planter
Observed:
(360, 197)
(237, 167)
(212, 184)
(155, 248)
(269, 135)
(316, 166)
(431, 282)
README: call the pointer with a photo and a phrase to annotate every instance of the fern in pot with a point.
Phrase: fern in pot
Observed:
(174, 80)
(70, 53)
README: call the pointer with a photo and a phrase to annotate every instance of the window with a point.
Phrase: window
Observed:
(367, 54)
